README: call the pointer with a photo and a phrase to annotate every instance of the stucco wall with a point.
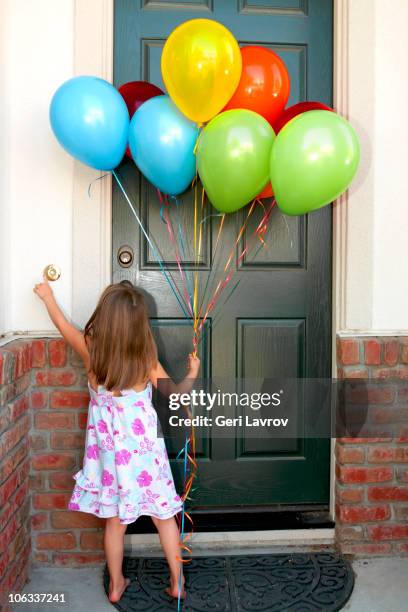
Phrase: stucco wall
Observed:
(37, 182)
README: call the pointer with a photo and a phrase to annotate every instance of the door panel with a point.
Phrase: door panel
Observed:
(277, 322)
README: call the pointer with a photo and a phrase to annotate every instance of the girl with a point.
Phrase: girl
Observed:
(126, 471)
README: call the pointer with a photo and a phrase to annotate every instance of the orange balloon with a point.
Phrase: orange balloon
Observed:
(266, 193)
(265, 84)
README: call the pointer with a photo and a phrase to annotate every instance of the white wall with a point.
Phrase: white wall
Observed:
(376, 256)
(390, 287)
(42, 190)
(37, 183)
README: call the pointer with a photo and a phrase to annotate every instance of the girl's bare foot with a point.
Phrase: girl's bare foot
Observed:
(173, 589)
(116, 594)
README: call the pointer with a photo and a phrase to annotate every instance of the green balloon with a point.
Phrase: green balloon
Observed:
(314, 159)
(233, 155)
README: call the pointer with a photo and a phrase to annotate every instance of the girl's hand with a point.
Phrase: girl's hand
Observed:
(43, 290)
(193, 366)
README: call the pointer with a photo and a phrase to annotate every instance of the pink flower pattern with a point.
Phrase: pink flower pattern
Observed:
(138, 427)
(126, 471)
(92, 451)
(107, 478)
(144, 479)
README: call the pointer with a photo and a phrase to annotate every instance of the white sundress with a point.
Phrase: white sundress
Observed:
(126, 470)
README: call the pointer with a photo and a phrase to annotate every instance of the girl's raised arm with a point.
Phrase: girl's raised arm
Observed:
(69, 332)
(168, 386)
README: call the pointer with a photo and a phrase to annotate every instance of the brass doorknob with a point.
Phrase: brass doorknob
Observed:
(52, 272)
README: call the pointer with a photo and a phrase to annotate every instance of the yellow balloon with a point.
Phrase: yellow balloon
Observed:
(201, 66)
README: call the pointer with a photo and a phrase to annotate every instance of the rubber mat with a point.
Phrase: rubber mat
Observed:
(271, 583)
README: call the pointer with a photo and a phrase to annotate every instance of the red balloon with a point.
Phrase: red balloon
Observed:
(295, 110)
(266, 193)
(264, 86)
(135, 93)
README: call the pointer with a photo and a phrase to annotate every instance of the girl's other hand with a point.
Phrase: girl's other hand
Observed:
(43, 290)
(193, 365)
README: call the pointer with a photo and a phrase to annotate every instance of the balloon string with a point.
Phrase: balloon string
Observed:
(197, 275)
(153, 248)
(220, 284)
(170, 231)
(217, 242)
(260, 230)
(94, 181)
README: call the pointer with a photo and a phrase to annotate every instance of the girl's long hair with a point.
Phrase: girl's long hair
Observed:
(120, 341)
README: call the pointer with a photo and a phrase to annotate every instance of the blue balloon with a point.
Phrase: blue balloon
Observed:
(90, 120)
(162, 142)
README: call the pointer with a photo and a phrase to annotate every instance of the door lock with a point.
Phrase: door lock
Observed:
(125, 256)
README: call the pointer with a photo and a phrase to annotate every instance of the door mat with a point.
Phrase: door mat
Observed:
(271, 583)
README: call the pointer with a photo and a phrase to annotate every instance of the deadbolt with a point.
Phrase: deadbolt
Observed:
(125, 256)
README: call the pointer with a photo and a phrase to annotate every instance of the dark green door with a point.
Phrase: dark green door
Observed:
(277, 323)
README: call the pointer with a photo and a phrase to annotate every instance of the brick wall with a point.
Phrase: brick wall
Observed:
(15, 541)
(372, 473)
(43, 412)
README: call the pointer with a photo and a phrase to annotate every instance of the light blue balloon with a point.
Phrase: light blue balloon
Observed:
(162, 142)
(90, 120)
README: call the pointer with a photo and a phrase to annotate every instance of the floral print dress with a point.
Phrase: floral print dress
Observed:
(126, 470)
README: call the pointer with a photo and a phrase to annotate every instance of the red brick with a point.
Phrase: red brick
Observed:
(402, 549)
(349, 455)
(348, 351)
(54, 420)
(39, 399)
(57, 352)
(401, 512)
(91, 540)
(366, 549)
(55, 378)
(14, 434)
(400, 372)
(37, 482)
(372, 352)
(62, 481)
(13, 482)
(41, 557)
(21, 364)
(74, 520)
(363, 440)
(350, 495)
(391, 352)
(69, 399)
(8, 465)
(402, 474)
(365, 395)
(384, 454)
(388, 493)
(82, 419)
(394, 414)
(67, 440)
(51, 501)
(355, 373)
(38, 354)
(347, 532)
(75, 559)
(18, 407)
(363, 514)
(358, 475)
(403, 436)
(404, 352)
(53, 461)
(56, 541)
(39, 521)
(387, 532)
(38, 442)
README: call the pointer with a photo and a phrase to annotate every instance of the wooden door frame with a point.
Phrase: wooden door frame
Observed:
(93, 54)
